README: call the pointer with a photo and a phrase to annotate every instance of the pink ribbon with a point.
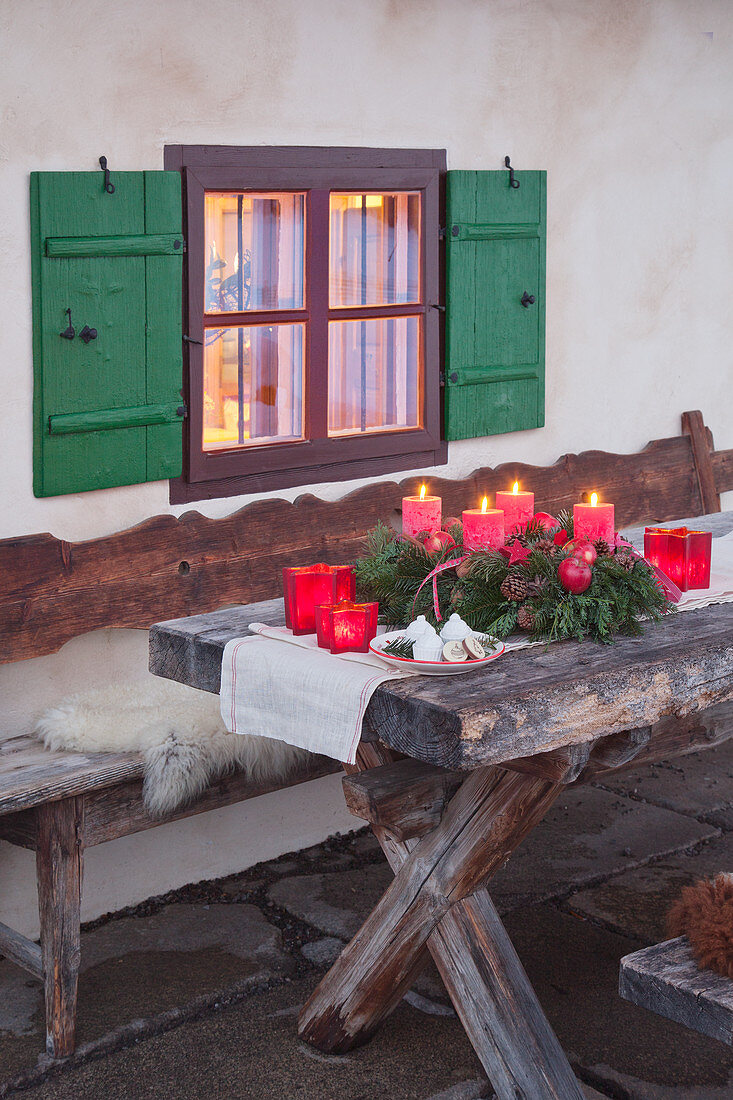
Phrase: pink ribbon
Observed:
(670, 589)
(433, 575)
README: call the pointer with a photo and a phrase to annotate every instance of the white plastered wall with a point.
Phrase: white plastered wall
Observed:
(627, 104)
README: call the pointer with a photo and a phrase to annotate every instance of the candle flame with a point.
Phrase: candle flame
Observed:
(515, 488)
(593, 499)
(484, 504)
(422, 492)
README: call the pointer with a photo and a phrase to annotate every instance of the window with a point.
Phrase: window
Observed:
(312, 278)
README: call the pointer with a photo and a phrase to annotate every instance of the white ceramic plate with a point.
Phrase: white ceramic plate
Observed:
(430, 668)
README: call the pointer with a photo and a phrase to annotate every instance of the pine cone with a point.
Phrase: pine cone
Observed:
(625, 560)
(537, 586)
(601, 548)
(514, 587)
(546, 546)
(526, 618)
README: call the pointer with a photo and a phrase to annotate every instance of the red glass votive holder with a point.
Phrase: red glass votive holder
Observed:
(346, 627)
(307, 586)
(684, 556)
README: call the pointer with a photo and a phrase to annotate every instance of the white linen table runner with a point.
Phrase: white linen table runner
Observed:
(298, 693)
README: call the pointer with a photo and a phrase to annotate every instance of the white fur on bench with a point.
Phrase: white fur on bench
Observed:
(179, 732)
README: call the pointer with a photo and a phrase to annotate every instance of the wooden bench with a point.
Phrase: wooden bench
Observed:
(666, 979)
(57, 804)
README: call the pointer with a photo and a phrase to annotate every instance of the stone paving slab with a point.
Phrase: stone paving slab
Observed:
(637, 901)
(700, 785)
(250, 1051)
(142, 966)
(589, 835)
(573, 966)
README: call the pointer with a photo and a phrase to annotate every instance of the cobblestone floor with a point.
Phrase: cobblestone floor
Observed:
(196, 993)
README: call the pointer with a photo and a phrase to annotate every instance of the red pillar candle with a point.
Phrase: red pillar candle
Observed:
(421, 513)
(594, 521)
(306, 586)
(483, 528)
(346, 627)
(517, 506)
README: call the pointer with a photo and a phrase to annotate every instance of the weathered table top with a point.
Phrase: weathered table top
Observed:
(529, 701)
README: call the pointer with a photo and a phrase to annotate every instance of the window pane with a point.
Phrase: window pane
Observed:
(374, 375)
(375, 249)
(253, 385)
(254, 251)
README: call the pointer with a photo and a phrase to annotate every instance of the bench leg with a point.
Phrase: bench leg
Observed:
(59, 856)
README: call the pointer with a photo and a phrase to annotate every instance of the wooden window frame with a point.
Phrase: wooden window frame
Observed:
(317, 171)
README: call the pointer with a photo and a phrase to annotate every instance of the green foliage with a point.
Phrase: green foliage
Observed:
(616, 602)
(399, 647)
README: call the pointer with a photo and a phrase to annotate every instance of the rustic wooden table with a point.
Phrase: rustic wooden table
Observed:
(487, 755)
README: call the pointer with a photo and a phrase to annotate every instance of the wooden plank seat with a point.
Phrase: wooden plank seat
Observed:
(666, 979)
(59, 803)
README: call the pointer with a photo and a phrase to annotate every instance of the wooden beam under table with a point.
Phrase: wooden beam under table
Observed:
(21, 951)
(408, 797)
(485, 821)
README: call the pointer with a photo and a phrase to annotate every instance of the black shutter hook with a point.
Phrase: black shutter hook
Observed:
(108, 186)
(69, 332)
(512, 182)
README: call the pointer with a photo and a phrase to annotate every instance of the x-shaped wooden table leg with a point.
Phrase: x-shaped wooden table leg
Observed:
(437, 902)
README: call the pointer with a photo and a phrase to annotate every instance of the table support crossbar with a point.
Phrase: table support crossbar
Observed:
(437, 902)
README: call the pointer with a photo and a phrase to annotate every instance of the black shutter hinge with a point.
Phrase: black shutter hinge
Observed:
(512, 181)
(442, 233)
(434, 305)
(442, 378)
(190, 340)
(182, 411)
(109, 187)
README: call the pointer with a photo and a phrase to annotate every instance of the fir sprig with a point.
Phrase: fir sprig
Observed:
(616, 602)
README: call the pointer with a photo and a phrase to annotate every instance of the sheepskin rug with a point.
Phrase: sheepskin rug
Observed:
(178, 730)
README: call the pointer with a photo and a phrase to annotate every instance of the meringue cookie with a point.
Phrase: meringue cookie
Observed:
(428, 646)
(455, 630)
(417, 627)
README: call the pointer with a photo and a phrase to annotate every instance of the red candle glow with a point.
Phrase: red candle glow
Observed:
(483, 528)
(421, 513)
(346, 627)
(306, 586)
(594, 521)
(684, 556)
(517, 506)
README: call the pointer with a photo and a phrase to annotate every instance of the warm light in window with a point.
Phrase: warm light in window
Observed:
(593, 499)
(484, 504)
(515, 488)
(422, 492)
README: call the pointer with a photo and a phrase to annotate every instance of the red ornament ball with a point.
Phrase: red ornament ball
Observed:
(543, 519)
(575, 575)
(437, 541)
(583, 550)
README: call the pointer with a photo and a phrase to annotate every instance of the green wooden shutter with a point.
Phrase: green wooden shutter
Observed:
(108, 412)
(495, 346)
